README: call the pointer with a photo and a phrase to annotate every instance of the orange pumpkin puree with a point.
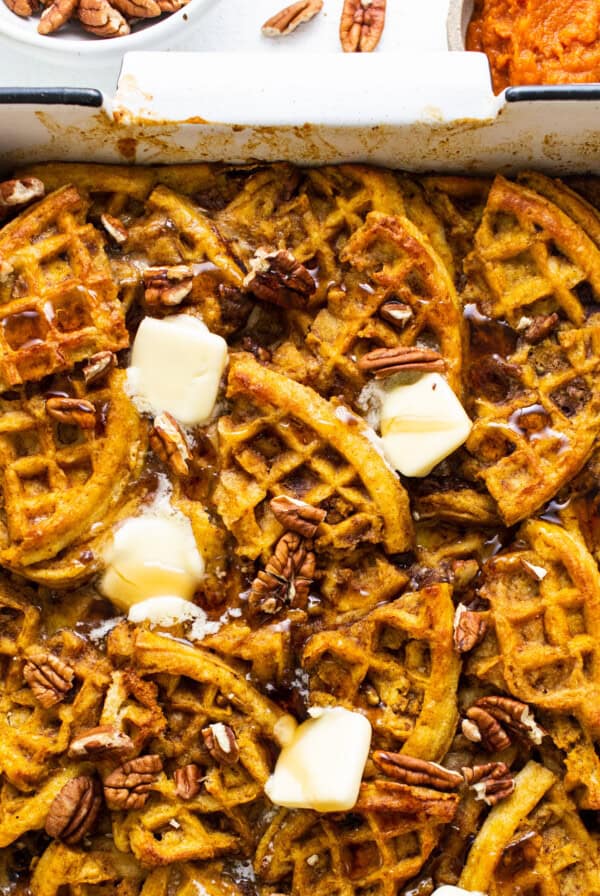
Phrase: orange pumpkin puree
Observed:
(538, 41)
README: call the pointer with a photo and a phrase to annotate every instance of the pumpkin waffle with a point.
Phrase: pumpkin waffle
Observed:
(59, 302)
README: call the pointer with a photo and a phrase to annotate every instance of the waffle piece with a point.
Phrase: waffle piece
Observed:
(545, 608)
(581, 761)
(367, 852)
(100, 871)
(283, 438)
(533, 842)
(571, 203)
(458, 203)
(397, 665)
(59, 303)
(58, 480)
(391, 265)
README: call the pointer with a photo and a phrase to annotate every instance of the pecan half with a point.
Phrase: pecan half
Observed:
(128, 786)
(386, 361)
(287, 577)
(297, 516)
(56, 15)
(100, 18)
(417, 772)
(115, 227)
(48, 677)
(100, 743)
(276, 277)
(24, 8)
(288, 19)
(73, 411)
(74, 810)
(169, 443)
(481, 727)
(397, 797)
(540, 327)
(361, 25)
(221, 743)
(168, 285)
(395, 312)
(188, 781)
(470, 627)
(98, 366)
(138, 9)
(20, 191)
(514, 715)
(491, 782)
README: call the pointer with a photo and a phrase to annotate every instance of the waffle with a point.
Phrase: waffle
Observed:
(59, 302)
(285, 439)
(57, 479)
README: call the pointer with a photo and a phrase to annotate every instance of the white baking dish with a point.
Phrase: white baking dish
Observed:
(425, 111)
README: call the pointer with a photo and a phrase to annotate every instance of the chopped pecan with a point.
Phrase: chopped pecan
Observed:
(115, 227)
(470, 627)
(100, 743)
(491, 782)
(188, 781)
(20, 191)
(521, 851)
(297, 516)
(492, 735)
(168, 286)
(417, 772)
(73, 411)
(288, 19)
(48, 677)
(98, 366)
(536, 572)
(221, 743)
(540, 327)
(128, 786)
(387, 361)
(276, 277)
(169, 443)
(74, 811)
(361, 25)
(287, 577)
(396, 312)
(56, 15)
(100, 18)
(514, 715)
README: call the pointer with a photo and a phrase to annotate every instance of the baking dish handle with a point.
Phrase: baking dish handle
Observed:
(51, 96)
(552, 92)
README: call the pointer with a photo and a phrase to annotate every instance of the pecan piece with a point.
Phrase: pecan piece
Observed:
(73, 411)
(169, 443)
(387, 361)
(491, 782)
(395, 796)
(24, 8)
(98, 366)
(188, 781)
(288, 19)
(56, 15)
(48, 677)
(361, 25)
(540, 327)
(470, 627)
(297, 516)
(114, 228)
(395, 312)
(138, 9)
(221, 743)
(168, 286)
(74, 810)
(417, 772)
(20, 191)
(100, 18)
(100, 743)
(287, 577)
(128, 786)
(514, 715)
(276, 277)
(485, 729)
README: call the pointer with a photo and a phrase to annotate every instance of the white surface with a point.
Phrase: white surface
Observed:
(234, 25)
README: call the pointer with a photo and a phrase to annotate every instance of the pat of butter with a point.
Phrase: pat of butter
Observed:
(164, 610)
(322, 764)
(152, 556)
(422, 422)
(448, 890)
(176, 366)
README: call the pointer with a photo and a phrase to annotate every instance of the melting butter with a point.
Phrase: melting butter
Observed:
(422, 422)
(448, 890)
(322, 761)
(176, 366)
